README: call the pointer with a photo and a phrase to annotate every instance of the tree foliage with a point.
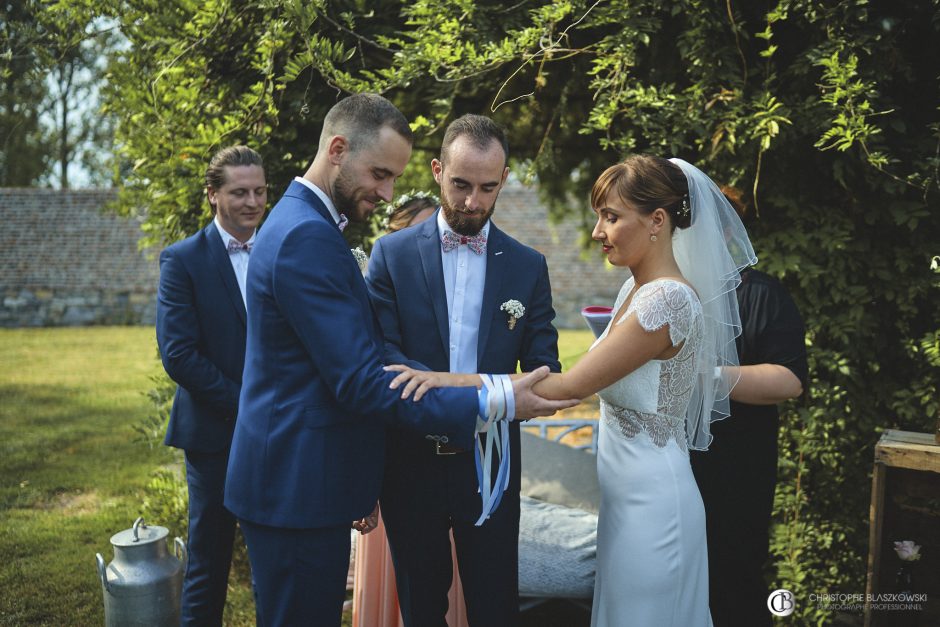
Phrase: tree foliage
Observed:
(824, 113)
(200, 75)
(50, 70)
(79, 134)
(23, 157)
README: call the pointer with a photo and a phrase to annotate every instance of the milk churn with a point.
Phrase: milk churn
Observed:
(143, 584)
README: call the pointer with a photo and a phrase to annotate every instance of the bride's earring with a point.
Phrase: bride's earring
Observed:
(653, 238)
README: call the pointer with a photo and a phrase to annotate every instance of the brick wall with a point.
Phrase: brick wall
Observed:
(64, 262)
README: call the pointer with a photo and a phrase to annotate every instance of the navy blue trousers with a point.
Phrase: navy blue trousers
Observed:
(487, 558)
(211, 536)
(299, 574)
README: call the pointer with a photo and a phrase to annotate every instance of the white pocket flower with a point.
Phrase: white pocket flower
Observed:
(361, 258)
(515, 309)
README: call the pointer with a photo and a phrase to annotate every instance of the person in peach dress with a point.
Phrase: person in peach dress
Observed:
(375, 595)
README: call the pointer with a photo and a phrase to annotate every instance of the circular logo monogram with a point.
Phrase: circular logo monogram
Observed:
(781, 603)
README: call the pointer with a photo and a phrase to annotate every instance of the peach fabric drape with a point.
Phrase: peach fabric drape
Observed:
(375, 597)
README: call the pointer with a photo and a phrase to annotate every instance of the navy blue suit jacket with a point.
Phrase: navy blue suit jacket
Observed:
(406, 284)
(201, 335)
(308, 449)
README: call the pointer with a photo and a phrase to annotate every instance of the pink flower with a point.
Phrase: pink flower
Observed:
(907, 550)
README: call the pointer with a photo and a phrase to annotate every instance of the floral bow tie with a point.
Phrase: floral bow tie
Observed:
(476, 243)
(234, 246)
(343, 222)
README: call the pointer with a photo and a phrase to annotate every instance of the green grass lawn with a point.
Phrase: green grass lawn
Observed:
(73, 469)
(572, 344)
(70, 472)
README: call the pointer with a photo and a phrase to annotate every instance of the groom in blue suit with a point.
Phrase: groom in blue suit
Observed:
(308, 449)
(201, 335)
(438, 289)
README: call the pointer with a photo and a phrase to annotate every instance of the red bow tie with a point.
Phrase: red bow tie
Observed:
(476, 243)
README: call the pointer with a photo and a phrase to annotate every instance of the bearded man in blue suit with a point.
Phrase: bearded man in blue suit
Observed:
(308, 449)
(439, 290)
(201, 335)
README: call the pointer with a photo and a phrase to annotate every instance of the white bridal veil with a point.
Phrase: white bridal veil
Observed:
(711, 254)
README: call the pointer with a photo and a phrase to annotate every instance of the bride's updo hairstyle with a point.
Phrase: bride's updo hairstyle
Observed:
(646, 183)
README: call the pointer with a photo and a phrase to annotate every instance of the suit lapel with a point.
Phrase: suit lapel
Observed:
(429, 249)
(495, 269)
(222, 263)
(307, 195)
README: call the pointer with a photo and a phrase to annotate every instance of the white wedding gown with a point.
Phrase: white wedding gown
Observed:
(652, 562)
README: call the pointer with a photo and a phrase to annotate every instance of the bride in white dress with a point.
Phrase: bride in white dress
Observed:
(657, 369)
(652, 564)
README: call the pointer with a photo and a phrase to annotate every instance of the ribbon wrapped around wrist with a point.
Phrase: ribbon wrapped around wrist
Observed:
(498, 408)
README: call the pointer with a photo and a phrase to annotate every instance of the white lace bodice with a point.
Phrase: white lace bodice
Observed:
(654, 397)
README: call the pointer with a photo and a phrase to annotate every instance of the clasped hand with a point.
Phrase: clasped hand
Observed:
(369, 523)
(528, 403)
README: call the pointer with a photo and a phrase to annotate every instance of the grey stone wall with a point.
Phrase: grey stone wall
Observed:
(579, 278)
(64, 262)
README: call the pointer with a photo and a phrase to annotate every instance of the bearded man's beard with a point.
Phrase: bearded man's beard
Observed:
(346, 199)
(462, 223)
(343, 193)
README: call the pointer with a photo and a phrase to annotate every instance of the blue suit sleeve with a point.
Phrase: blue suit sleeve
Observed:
(178, 338)
(385, 301)
(328, 317)
(540, 345)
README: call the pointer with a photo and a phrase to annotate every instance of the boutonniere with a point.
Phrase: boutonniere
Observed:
(361, 258)
(515, 309)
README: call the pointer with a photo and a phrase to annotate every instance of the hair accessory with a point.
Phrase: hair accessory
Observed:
(403, 200)
(684, 208)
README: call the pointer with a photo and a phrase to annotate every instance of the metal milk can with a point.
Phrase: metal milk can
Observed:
(142, 586)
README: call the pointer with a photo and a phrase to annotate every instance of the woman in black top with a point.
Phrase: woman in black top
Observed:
(738, 473)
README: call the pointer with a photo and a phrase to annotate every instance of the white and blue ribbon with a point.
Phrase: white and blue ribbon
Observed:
(498, 401)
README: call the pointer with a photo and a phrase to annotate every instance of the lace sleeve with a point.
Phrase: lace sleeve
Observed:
(661, 303)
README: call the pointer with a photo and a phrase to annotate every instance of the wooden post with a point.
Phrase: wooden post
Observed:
(875, 516)
(895, 449)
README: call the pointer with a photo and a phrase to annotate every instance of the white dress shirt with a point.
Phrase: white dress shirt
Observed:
(239, 258)
(464, 278)
(321, 195)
